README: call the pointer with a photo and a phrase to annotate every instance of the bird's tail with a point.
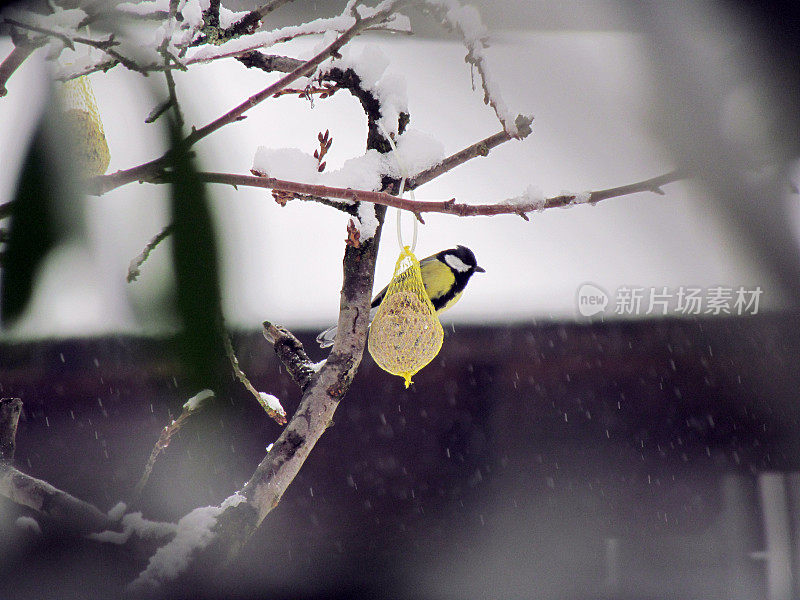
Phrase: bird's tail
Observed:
(325, 339)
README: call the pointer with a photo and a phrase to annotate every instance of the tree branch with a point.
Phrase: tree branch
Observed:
(320, 399)
(459, 158)
(13, 61)
(10, 409)
(138, 261)
(252, 20)
(71, 513)
(322, 391)
(189, 408)
(147, 171)
(278, 417)
(291, 353)
(451, 207)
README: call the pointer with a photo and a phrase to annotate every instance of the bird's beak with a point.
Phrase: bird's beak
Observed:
(480, 270)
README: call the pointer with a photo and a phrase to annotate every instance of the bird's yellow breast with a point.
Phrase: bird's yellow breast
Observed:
(439, 280)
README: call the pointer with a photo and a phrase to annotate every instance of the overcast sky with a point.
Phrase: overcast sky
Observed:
(593, 94)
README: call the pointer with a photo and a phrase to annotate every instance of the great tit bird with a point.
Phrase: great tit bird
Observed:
(445, 275)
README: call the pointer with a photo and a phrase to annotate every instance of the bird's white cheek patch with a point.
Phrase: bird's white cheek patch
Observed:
(456, 263)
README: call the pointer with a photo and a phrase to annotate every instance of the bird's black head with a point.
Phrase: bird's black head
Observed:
(462, 260)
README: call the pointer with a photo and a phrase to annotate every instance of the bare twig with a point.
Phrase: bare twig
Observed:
(325, 142)
(163, 441)
(173, 98)
(104, 45)
(458, 18)
(10, 409)
(68, 41)
(481, 148)
(136, 263)
(278, 417)
(13, 61)
(189, 408)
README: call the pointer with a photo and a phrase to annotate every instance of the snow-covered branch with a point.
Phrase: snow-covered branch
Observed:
(466, 20)
(185, 31)
(264, 39)
(529, 201)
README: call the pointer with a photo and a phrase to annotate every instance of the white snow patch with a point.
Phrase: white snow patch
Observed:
(135, 523)
(194, 532)
(273, 402)
(195, 401)
(389, 89)
(582, 198)
(317, 366)
(234, 499)
(28, 524)
(144, 8)
(265, 39)
(367, 220)
(286, 163)
(577, 198)
(229, 17)
(416, 151)
(361, 173)
(532, 198)
(370, 65)
(116, 512)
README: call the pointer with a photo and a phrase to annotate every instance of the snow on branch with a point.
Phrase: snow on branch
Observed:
(264, 39)
(193, 532)
(369, 67)
(531, 200)
(415, 149)
(153, 170)
(188, 32)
